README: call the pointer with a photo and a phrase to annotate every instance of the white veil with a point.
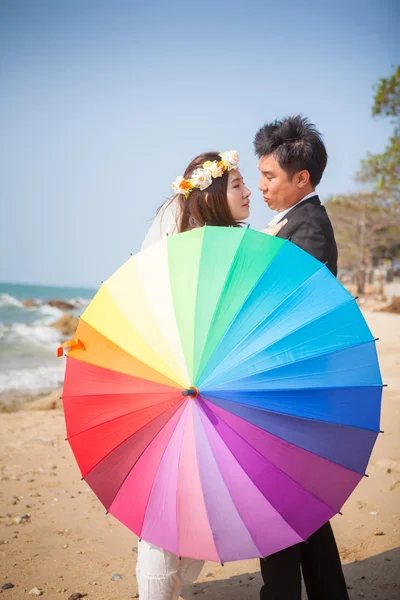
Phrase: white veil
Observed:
(165, 223)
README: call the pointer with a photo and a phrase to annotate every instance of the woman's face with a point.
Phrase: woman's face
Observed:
(238, 196)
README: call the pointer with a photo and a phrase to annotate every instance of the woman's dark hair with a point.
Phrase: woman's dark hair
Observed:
(205, 207)
(296, 144)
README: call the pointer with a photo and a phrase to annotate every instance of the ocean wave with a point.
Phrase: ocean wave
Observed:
(78, 302)
(7, 301)
(46, 309)
(37, 380)
(36, 334)
(41, 306)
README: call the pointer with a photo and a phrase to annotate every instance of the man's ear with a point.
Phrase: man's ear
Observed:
(302, 178)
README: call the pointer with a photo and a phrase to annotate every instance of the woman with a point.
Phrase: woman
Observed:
(211, 192)
(224, 203)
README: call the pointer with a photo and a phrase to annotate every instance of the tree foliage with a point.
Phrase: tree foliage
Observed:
(387, 97)
(383, 170)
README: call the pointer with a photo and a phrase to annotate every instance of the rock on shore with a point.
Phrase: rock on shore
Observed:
(66, 324)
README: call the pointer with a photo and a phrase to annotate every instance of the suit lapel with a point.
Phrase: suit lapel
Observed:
(314, 200)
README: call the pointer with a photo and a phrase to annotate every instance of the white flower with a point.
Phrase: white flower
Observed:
(176, 183)
(182, 186)
(201, 178)
(215, 169)
(230, 158)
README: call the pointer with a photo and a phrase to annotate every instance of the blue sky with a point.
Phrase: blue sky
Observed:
(103, 104)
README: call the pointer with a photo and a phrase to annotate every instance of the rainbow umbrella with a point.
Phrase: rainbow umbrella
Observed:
(222, 396)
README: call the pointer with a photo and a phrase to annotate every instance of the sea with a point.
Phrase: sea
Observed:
(28, 345)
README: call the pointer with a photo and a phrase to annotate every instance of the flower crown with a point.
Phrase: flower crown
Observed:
(202, 178)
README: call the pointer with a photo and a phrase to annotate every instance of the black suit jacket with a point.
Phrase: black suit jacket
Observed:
(309, 227)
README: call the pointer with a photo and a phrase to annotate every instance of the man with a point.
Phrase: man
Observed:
(292, 159)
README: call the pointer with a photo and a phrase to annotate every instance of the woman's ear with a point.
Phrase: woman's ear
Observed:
(206, 198)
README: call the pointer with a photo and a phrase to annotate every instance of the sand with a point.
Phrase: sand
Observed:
(55, 535)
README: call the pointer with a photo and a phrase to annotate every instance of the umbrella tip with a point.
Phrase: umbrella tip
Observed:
(192, 391)
(381, 431)
(340, 513)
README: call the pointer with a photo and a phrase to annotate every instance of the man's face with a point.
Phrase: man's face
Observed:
(280, 191)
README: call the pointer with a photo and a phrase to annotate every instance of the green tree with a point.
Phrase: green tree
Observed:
(383, 170)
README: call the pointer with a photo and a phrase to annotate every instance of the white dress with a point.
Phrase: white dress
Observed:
(161, 574)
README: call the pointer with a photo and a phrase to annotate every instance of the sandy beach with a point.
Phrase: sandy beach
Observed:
(56, 537)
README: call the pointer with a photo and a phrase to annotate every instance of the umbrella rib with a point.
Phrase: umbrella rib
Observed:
(217, 303)
(123, 373)
(116, 419)
(196, 300)
(305, 325)
(177, 407)
(318, 387)
(223, 479)
(247, 475)
(170, 390)
(176, 498)
(291, 332)
(264, 318)
(132, 355)
(279, 469)
(293, 443)
(201, 485)
(160, 332)
(104, 413)
(184, 412)
(116, 393)
(309, 358)
(277, 412)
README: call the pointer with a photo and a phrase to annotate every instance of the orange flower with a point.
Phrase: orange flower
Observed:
(221, 165)
(185, 184)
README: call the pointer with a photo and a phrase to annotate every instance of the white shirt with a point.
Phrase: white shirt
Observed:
(278, 217)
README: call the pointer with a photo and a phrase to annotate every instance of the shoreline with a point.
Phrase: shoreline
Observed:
(15, 402)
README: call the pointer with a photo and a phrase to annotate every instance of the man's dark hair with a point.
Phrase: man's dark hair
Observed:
(296, 144)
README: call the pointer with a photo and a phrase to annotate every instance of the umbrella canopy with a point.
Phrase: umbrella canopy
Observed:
(222, 398)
